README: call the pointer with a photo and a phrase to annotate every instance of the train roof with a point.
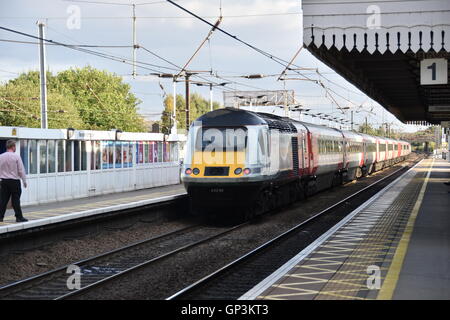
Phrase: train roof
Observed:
(232, 117)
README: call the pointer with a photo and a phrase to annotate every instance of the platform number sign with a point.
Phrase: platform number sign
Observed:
(433, 71)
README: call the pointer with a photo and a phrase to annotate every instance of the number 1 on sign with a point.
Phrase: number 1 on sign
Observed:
(433, 68)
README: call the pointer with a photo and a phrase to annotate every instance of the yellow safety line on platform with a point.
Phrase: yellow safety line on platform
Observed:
(390, 282)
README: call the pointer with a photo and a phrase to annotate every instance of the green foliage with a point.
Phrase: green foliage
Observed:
(103, 101)
(379, 132)
(90, 98)
(198, 107)
(20, 104)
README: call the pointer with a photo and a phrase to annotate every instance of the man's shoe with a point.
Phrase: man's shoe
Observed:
(21, 220)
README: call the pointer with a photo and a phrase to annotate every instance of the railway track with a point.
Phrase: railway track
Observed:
(239, 276)
(98, 270)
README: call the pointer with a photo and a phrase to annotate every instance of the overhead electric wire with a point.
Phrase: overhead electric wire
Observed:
(278, 60)
(92, 52)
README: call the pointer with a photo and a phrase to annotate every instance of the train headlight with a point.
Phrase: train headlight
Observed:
(247, 171)
(196, 171)
(188, 171)
(238, 171)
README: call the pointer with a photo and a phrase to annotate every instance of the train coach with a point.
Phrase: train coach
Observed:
(253, 162)
(65, 164)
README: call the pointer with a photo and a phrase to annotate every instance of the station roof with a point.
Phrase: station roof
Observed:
(379, 45)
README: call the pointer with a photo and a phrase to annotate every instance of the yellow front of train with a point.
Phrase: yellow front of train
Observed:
(226, 159)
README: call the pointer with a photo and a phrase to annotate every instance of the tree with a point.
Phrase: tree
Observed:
(83, 98)
(20, 104)
(103, 101)
(198, 107)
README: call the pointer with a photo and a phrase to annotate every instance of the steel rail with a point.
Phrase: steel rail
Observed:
(202, 282)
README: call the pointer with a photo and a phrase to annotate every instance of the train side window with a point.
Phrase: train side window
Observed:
(24, 154)
(61, 154)
(76, 156)
(33, 157)
(68, 156)
(51, 156)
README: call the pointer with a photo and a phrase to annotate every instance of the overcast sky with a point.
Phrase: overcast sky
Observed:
(272, 25)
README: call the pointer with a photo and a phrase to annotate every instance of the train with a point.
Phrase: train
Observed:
(250, 162)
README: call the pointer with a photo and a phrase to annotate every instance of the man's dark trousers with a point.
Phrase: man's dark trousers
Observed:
(10, 188)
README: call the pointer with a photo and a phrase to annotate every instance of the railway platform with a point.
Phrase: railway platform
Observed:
(394, 246)
(45, 214)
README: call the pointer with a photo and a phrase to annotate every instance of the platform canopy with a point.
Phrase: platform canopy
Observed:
(395, 51)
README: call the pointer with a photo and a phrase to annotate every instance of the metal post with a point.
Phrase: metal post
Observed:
(286, 109)
(187, 101)
(43, 76)
(174, 114)
(134, 41)
(352, 121)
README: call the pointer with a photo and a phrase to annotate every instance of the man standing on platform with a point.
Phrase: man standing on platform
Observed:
(11, 171)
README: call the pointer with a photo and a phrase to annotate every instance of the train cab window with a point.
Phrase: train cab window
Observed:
(24, 154)
(42, 156)
(51, 156)
(33, 157)
(263, 153)
(68, 166)
(222, 139)
(61, 153)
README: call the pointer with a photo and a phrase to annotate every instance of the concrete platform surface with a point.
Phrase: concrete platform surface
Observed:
(39, 215)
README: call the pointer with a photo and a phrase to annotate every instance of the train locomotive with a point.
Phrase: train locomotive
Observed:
(251, 162)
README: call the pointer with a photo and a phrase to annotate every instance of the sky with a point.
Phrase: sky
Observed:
(274, 26)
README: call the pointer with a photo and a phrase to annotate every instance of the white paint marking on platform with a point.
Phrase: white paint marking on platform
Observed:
(256, 291)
